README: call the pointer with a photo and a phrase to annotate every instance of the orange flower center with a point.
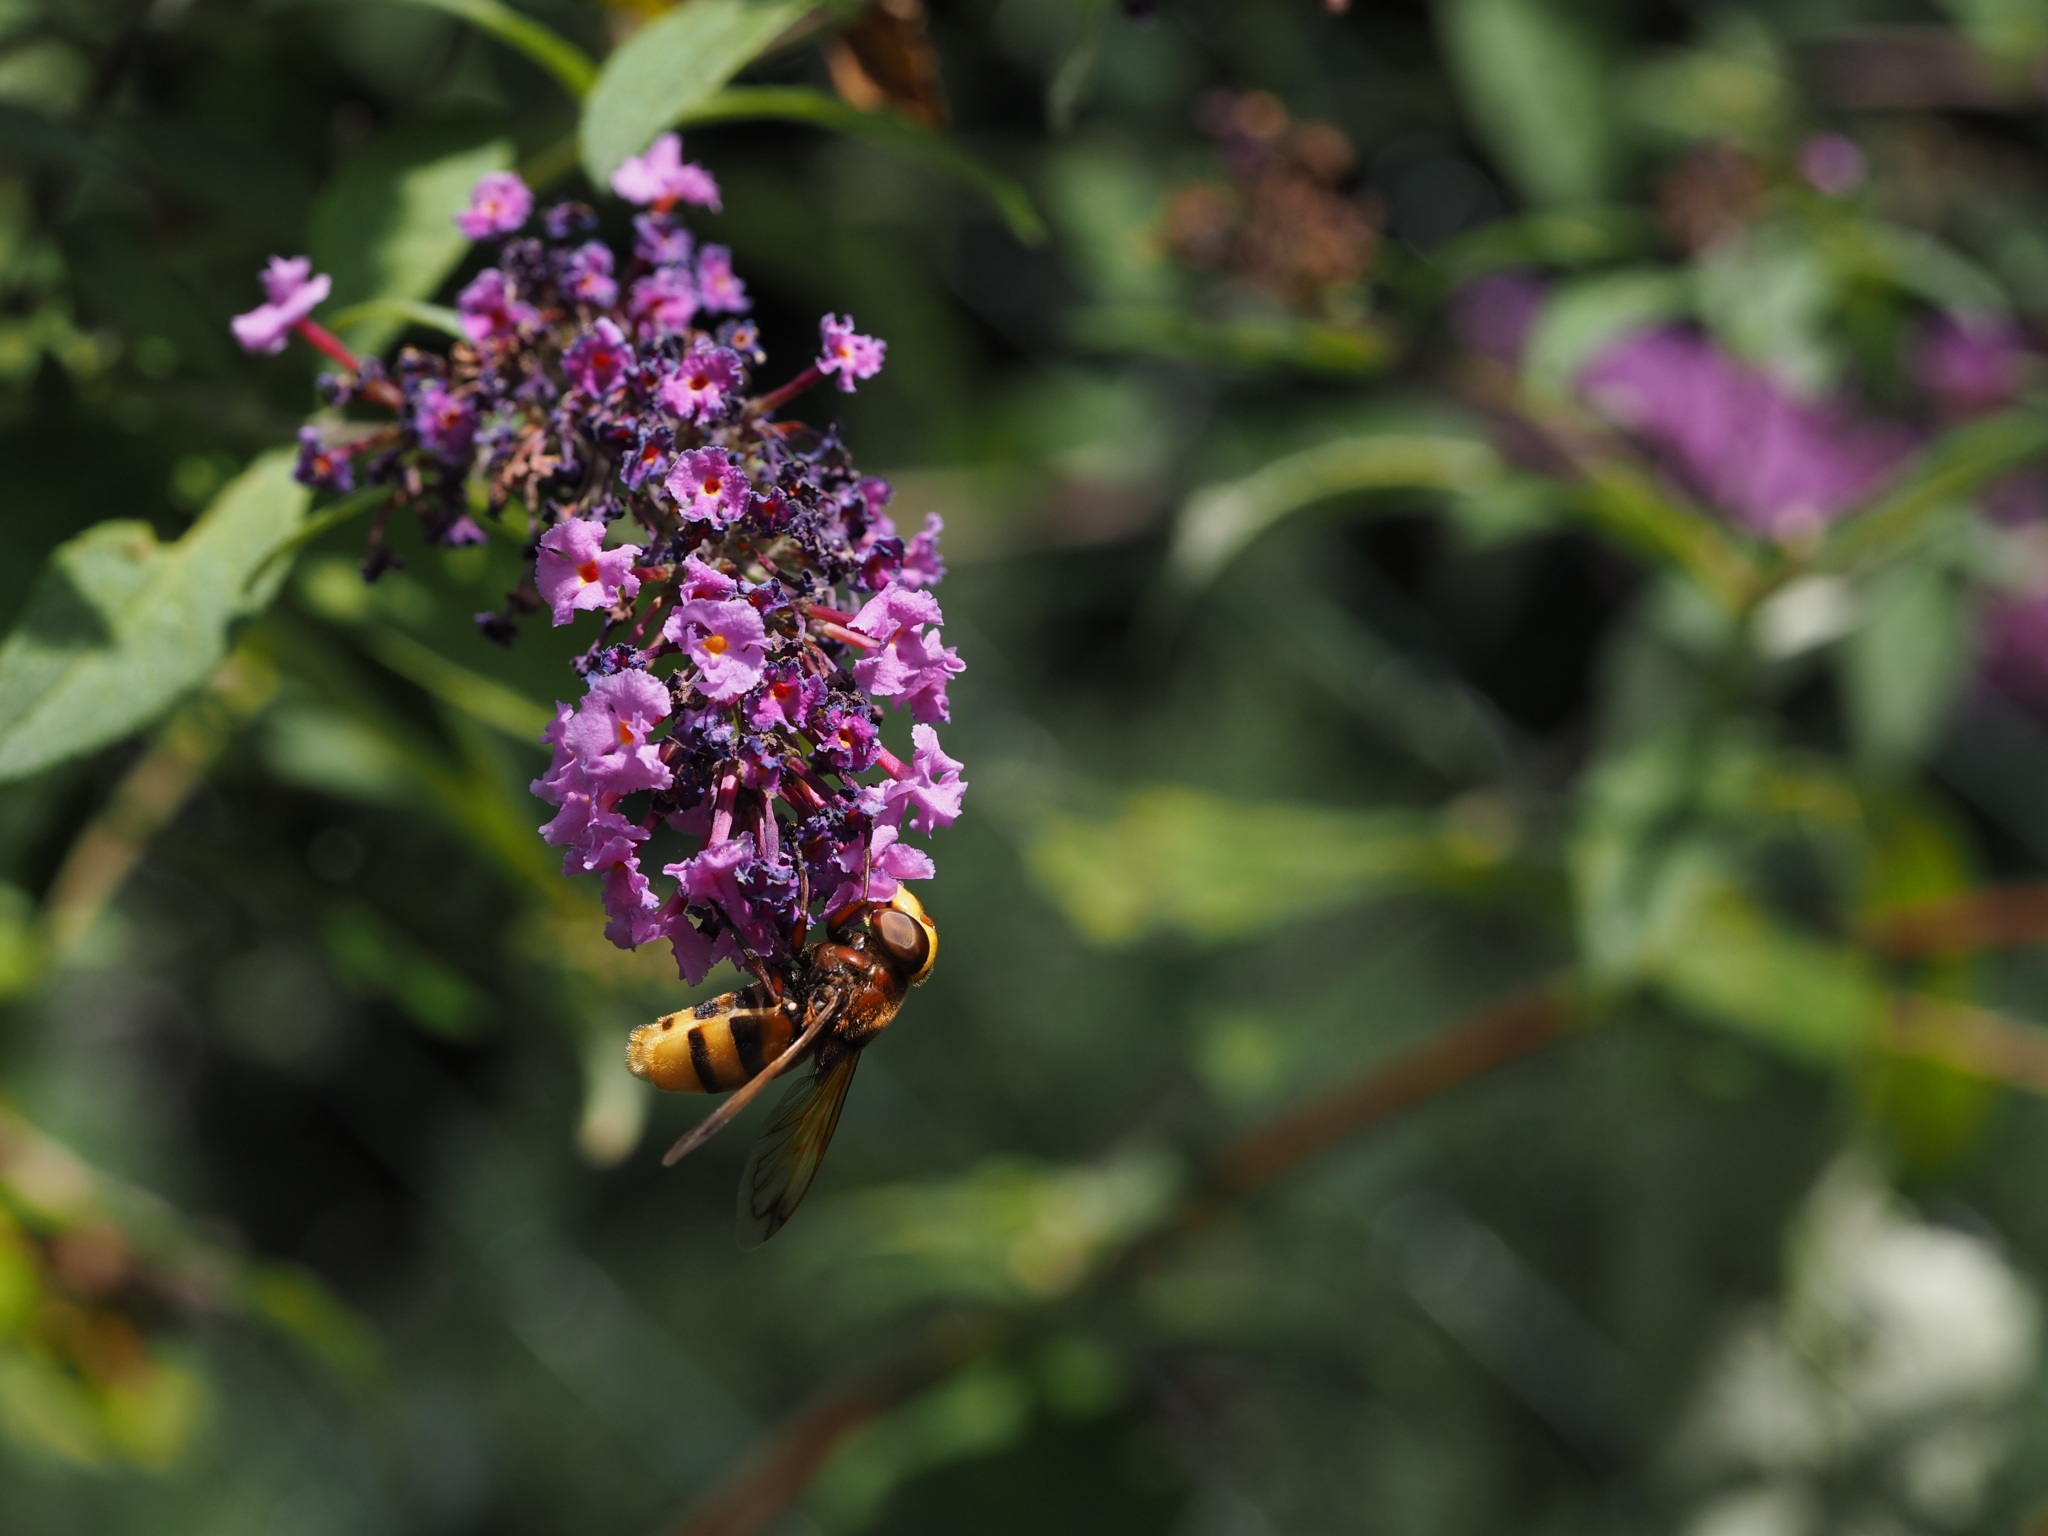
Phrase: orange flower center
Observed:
(625, 734)
(716, 644)
(587, 570)
(711, 487)
(701, 381)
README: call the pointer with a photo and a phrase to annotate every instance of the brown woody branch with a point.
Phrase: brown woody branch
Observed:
(1999, 917)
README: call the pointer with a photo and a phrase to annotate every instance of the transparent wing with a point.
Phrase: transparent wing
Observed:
(786, 1158)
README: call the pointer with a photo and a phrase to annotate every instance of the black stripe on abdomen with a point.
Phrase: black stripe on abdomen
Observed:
(746, 1039)
(700, 1058)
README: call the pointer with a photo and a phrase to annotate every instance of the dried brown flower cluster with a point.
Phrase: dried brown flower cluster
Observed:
(1288, 223)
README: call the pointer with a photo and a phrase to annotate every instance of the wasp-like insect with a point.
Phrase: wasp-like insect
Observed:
(834, 1000)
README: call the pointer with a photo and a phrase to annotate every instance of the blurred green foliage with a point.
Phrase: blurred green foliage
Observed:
(1336, 672)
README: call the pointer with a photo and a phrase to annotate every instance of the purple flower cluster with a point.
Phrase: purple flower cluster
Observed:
(724, 772)
(1783, 467)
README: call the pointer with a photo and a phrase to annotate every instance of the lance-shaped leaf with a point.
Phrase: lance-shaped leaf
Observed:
(1220, 521)
(674, 63)
(1221, 869)
(1535, 86)
(543, 45)
(120, 627)
(885, 130)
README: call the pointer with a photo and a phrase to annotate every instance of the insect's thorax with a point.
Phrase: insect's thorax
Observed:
(863, 991)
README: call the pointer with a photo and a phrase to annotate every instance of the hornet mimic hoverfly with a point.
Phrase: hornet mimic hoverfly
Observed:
(836, 998)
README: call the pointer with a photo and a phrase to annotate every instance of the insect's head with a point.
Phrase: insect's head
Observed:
(906, 935)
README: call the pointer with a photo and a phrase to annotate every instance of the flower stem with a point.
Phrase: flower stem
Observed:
(324, 340)
(775, 399)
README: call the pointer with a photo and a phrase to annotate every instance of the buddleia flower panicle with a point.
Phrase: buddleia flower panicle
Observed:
(755, 610)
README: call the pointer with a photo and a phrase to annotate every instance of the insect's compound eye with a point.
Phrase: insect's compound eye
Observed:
(903, 936)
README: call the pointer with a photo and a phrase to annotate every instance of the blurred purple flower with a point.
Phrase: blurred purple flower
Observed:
(847, 353)
(1832, 165)
(1493, 315)
(498, 205)
(597, 361)
(1782, 467)
(662, 177)
(292, 290)
(720, 290)
(587, 276)
(1971, 364)
(701, 385)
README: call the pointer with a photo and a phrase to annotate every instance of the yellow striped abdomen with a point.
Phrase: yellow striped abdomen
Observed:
(712, 1048)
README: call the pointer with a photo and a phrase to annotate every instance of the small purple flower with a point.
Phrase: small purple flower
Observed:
(633, 909)
(660, 242)
(592, 834)
(464, 533)
(744, 337)
(846, 738)
(291, 292)
(1831, 164)
(784, 699)
(727, 642)
(696, 955)
(701, 580)
(665, 301)
(498, 205)
(324, 467)
(574, 569)
(702, 384)
(599, 359)
(847, 353)
(565, 221)
(874, 868)
(922, 566)
(709, 487)
(490, 309)
(609, 736)
(445, 422)
(911, 666)
(929, 789)
(587, 276)
(662, 178)
(1972, 363)
(650, 458)
(719, 290)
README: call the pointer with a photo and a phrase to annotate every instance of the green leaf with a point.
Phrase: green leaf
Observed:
(1220, 869)
(676, 62)
(1735, 967)
(1244, 342)
(1902, 664)
(1954, 467)
(385, 228)
(545, 46)
(435, 317)
(1534, 86)
(1220, 521)
(885, 130)
(1582, 317)
(119, 627)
